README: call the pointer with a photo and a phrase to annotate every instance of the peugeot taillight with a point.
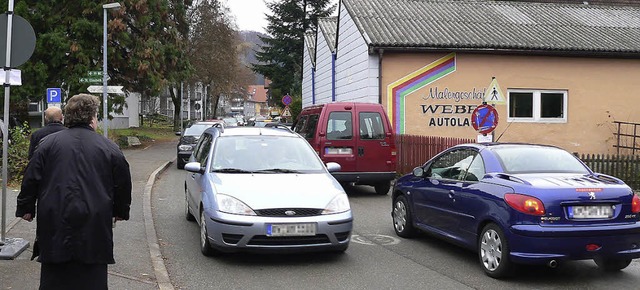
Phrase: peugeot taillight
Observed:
(635, 204)
(525, 203)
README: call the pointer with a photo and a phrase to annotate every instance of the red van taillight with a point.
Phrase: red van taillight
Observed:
(394, 151)
(524, 203)
(635, 204)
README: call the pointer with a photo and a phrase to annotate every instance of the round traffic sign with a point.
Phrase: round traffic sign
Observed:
(23, 40)
(286, 100)
(484, 119)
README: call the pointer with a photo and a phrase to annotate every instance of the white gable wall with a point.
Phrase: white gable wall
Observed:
(307, 85)
(323, 70)
(356, 71)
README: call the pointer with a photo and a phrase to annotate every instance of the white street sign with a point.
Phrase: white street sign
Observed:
(110, 89)
(15, 77)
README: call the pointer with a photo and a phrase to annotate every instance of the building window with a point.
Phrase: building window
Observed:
(537, 106)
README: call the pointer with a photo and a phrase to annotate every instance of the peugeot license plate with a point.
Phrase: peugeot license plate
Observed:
(590, 211)
(280, 230)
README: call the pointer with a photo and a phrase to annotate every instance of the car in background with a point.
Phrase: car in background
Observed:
(520, 204)
(262, 122)
(358, 136)
(264, 190)
(240, 120)
(189, 138)
(230, 121)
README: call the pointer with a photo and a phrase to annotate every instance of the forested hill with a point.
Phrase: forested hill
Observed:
(251, 39)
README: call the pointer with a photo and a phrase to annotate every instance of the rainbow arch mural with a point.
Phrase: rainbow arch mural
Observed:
(398, 90)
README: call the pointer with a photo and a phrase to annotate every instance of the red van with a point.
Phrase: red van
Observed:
(358, 136)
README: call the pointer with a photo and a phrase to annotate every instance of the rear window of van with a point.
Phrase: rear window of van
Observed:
(306, 126)
(339, 126)
(371, 126)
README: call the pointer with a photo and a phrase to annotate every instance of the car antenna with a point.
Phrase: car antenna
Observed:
(505, 130)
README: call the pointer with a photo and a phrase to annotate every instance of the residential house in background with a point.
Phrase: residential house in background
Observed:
(236, 107)
(255, 103)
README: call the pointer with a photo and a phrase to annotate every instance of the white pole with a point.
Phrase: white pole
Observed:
(5, 128)
(105, 115)
(204, 104)
(181, 107)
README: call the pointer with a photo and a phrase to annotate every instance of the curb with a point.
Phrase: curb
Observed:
(12, 224)
(159, 268)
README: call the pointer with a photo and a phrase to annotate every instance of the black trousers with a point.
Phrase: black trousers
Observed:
(73, 276)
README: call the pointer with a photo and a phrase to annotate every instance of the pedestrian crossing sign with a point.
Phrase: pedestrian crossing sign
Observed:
(286, 112)
(493, 94)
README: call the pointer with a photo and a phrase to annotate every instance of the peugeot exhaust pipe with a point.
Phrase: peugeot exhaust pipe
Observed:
(552, 264)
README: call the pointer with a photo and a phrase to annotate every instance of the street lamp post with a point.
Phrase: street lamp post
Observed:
(105, 115)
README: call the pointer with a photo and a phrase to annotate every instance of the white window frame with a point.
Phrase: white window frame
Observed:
(537, 106)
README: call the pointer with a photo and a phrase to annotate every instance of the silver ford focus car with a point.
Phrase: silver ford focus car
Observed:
(264, 190)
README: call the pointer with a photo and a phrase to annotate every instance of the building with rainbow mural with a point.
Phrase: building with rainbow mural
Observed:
(564, 74)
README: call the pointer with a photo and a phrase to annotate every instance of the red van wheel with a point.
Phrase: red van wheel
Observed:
(382, 188)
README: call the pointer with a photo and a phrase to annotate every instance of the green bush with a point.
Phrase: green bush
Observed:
(18, 153)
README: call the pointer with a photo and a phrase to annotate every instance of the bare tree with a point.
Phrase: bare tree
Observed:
(214, 49)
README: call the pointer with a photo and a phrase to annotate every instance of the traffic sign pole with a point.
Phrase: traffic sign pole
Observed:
(25, 43)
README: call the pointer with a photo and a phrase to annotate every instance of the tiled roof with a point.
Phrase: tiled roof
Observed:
(328, 26)
(257, 93)
(310, 41)
(480, 25)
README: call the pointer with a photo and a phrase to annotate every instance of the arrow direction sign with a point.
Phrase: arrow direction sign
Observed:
(110, 89)
(95, 80)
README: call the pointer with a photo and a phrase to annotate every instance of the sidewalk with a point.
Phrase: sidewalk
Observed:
(139, 264)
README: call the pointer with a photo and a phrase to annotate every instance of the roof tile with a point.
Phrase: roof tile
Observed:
(486, 25)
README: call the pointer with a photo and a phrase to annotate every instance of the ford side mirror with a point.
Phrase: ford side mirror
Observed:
(194, 167)
(333, 167)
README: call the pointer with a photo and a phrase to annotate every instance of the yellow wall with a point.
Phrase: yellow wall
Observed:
(599, 91)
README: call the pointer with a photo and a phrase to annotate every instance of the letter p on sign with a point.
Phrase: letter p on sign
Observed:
(54, 95)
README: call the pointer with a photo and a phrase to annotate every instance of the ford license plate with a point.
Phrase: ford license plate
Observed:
(590, 211)
(283, 230)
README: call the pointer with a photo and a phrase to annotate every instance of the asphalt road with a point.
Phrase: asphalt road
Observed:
(376, 258)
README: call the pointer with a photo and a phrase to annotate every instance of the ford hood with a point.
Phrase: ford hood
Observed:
(260, 191)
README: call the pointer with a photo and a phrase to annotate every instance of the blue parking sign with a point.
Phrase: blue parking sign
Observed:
(54, 95)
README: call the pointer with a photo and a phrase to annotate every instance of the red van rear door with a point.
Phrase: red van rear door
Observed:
(338, 140)
(375, 147)
(359, 138)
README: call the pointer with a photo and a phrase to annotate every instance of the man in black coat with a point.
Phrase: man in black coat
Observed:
(81, 184)
(53, 123)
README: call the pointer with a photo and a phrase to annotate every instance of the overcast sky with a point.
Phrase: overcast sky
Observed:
(250, 14)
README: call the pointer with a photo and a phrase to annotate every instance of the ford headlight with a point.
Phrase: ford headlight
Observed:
(185, 147)
(228, 204)
(338, 204)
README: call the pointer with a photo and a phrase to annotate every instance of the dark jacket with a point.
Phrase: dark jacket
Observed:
(80, 180)
(37, 136)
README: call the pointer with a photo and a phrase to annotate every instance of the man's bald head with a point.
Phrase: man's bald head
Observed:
(53, 114)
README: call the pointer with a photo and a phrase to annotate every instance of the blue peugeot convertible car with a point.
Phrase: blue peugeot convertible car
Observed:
(520, 204)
